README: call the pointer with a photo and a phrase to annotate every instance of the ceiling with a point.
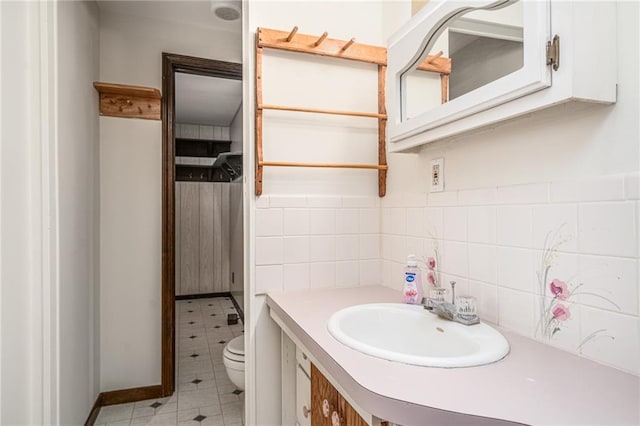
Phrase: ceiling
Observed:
(192, 12)
(208, 101)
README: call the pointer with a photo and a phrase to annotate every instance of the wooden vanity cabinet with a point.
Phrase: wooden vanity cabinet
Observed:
(328, 407)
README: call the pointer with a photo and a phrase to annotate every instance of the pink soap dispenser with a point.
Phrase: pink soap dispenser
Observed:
(412, 288)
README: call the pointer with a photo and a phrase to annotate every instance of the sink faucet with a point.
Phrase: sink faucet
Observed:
(448, 310)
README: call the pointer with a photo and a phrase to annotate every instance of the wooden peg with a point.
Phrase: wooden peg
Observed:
(140, 110)
(434, 57)
(128, 102)
(321, 39)
(291, 34)
(348, 44)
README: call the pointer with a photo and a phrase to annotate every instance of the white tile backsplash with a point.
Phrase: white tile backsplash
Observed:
(615, 341)
(399, 221)
(524, 194)
(296, 276)
(609, 283)
(455, 259)
(514, 225)
(296, 222)
(347, 221)
(478, 197)
(370, 272)
(551, 217)
(608, 229)
(369, 219)
(359, 202)
(369, 246)
(324, 202)
(632, 186)
(347, 274)
(516, 310)
(323, 248)
(268, 222)
(487, 299)
(433, 222)
(296, 249)
(483, 263)
(322, 221)
(593, 189)
(455, 223)
(268, 278)
(322, 275)
(415, 222)
(269, 251)
(288, 201)
(347, 247)
(491, 242)
(481, 224)
(516, 269)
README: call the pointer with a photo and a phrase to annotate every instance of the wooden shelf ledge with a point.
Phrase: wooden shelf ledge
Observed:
(323, 111)
(120, 100)
(323, 165)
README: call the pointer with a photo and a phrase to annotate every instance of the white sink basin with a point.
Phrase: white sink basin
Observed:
(412, 335)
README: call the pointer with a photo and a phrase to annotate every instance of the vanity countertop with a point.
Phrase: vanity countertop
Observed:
(534, 384)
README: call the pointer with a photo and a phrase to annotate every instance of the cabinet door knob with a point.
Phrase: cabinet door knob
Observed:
(326, 409)
(305, 411)
(335, 419)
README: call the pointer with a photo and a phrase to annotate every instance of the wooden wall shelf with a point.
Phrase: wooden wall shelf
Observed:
(343, 49)
(120, 100)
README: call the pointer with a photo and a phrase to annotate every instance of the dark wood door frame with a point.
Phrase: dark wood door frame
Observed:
(172, 63)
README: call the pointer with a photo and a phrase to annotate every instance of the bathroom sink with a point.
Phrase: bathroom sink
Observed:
(412, 335)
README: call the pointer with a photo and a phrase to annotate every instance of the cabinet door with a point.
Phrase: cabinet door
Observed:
(349, 416)
(324, 399)
(497, 53)
(303, 397)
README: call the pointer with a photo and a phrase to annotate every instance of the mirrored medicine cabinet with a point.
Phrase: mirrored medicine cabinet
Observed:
(504, 59)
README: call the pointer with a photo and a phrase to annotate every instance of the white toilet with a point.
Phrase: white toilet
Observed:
(233, 358)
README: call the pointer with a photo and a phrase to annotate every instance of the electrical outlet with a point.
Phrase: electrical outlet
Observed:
(437, 175)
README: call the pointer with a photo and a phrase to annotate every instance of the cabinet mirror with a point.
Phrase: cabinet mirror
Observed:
(496, 52)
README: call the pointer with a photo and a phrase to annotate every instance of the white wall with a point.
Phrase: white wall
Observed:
(130, 193)
(20, 216)
(235, 131)
(48, 213)
(78, 197)
(508, 185)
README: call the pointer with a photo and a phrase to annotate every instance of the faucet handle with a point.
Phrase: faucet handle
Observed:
(453, 292)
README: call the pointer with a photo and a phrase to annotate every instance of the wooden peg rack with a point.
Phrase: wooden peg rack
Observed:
(119, 100)
(345, 49)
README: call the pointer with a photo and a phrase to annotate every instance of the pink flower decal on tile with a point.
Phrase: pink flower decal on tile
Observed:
(559, 289)
(561, 312)
(431, 278)
(554, 311)
(431, 263)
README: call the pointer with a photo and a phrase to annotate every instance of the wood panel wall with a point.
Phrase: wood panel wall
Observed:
(203, 243)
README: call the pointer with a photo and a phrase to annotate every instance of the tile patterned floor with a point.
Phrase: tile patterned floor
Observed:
(204, 396)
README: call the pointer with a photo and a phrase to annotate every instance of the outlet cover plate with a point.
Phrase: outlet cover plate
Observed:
(437, 175)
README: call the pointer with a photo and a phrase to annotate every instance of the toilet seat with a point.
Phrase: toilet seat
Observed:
(233, 359)
(234, 351)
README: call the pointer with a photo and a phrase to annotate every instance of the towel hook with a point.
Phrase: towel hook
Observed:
(348, 44)
(321, 39)
(434, 57)
(291, 34)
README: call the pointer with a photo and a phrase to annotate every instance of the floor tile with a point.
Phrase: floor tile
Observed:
(115, 413)
(158, 419)
(210, 399)
(197, 399)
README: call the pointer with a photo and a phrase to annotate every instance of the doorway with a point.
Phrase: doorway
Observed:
(173, 65)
